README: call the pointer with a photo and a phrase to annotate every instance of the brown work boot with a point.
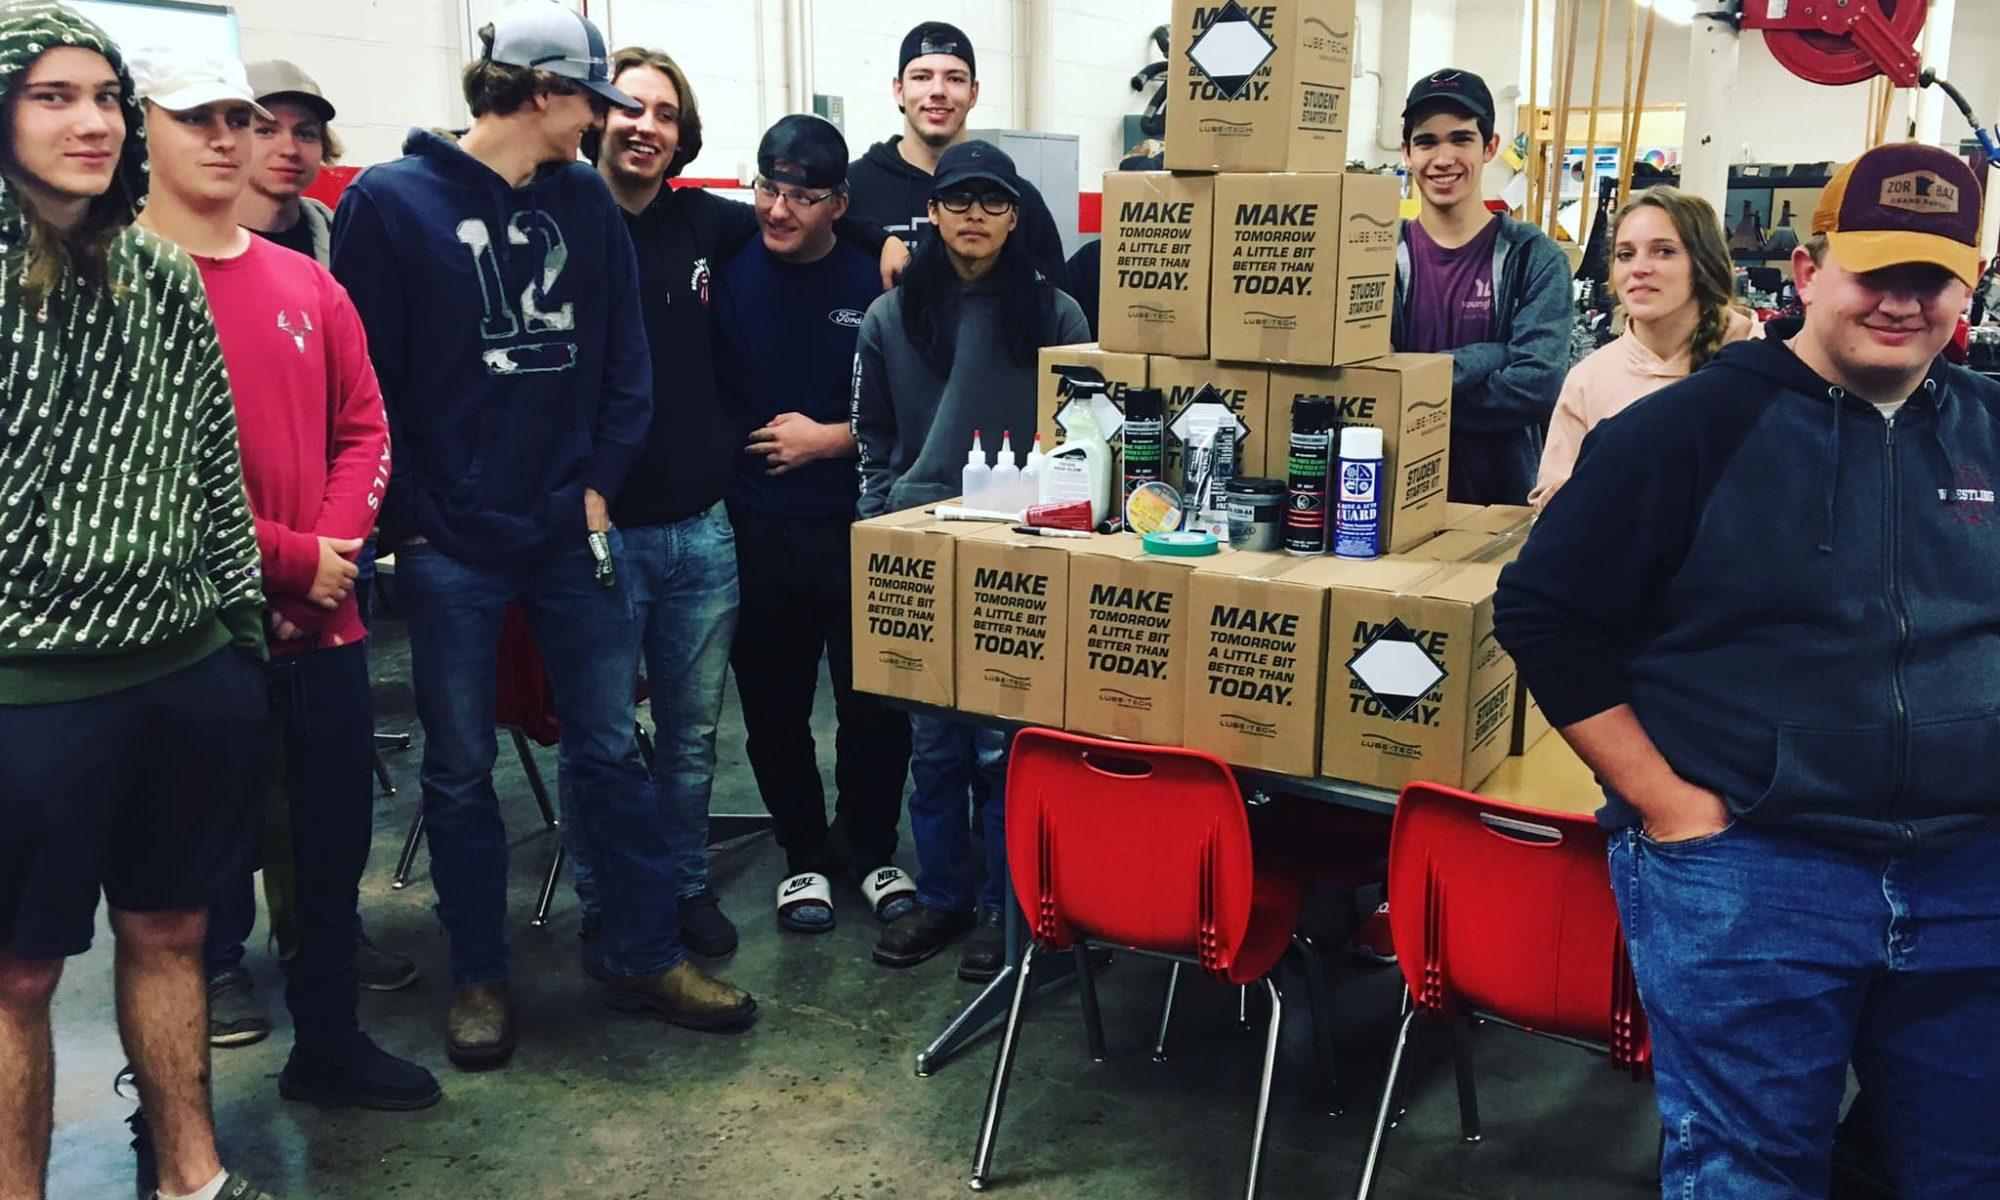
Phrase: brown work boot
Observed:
(480, 1027)
(686, 996)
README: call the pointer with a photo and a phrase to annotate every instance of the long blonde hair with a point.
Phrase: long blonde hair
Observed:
(1711, 271)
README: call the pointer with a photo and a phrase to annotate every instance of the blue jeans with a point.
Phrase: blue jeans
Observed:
(945, 756)
(1767, 962)
(682, 578)
(589, 641)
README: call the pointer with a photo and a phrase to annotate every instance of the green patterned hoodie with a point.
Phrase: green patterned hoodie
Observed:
(126, 545)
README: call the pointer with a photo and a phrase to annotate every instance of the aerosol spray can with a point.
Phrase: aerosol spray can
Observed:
(1144, 437)
(1310, 463)
(1357, 529)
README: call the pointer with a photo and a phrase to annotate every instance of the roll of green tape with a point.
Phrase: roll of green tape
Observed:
(1180, 544)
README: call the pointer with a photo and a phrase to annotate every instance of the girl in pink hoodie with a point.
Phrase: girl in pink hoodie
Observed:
(1673, 276)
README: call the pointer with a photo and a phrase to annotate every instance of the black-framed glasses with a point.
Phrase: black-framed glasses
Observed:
(993, 204)
(793, 197)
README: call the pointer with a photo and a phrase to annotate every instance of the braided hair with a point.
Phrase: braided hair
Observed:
(1712, 273)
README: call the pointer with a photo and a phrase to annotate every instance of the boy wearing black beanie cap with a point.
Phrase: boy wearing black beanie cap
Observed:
(936, 86)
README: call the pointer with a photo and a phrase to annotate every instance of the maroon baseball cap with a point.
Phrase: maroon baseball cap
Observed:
(1903, 203)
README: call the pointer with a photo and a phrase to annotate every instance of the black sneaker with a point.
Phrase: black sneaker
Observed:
(920, 933)
(590, 949)
(363, 1076)
(704, 930)
(378, 970)
(234, 1018)
(985, 951)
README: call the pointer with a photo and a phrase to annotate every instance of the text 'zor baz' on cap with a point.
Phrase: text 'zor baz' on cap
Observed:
(1900, 204)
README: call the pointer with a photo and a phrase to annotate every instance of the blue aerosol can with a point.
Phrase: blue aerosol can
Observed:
(1357, 523)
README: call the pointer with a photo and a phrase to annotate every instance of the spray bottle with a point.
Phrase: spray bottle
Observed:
(1357, 528)
(1080, 468)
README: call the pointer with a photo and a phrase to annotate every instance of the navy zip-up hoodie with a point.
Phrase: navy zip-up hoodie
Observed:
(1799, 598)
(506, 328)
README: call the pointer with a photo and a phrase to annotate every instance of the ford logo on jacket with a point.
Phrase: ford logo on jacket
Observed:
(1799, 596)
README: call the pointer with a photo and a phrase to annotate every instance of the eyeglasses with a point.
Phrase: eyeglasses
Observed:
(993, 204)
(793, 197)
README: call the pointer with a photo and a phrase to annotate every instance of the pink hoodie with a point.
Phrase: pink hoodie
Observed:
(1606, 384)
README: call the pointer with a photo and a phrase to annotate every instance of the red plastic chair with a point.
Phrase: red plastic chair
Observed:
(1505, 913)
(1146, 849)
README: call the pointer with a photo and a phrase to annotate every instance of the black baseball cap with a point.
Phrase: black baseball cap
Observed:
(936, 37)
(1462, 88)
(810, 146)
(974, 162)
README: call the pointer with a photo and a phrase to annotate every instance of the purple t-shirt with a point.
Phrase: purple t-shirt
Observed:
(1451, 291)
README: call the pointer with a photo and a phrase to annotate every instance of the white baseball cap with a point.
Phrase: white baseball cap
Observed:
(178, 80)
(548, 37)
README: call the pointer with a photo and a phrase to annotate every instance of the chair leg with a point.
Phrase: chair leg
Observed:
(1003, 1067)
(388, 785)
(408, 859)
(1468, 1091)
(1314, 965)
(534, 774)
(1093, 1019)
(1243, 1009)
(1400, 1109)
(1166, 1014)
(1264, 1090)
(1388, 1100)
(548, 896)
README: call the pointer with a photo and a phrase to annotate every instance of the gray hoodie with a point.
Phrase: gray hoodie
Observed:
(914, 425)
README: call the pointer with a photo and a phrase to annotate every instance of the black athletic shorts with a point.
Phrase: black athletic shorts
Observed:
(150, 794)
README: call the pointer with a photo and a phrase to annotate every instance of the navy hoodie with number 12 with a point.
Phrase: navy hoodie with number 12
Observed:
(506, 328)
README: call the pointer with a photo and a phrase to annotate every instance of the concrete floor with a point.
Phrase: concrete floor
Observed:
(818, 1102)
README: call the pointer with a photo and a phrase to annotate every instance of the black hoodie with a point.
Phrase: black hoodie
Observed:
(1799, 598)
(889, 192)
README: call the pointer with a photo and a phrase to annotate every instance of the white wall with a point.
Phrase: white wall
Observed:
(390, 64)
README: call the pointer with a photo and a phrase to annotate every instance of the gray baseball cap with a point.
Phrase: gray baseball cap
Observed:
(548, 37)
(276, 79)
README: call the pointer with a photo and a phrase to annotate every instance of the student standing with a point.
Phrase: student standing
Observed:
(129, 600)
(789, 311)
(500, 295)
(1673, 276)
(1492, 292)
(316, 461)
(1765, 610)
(680, 547)
(953, 350)
(936, 87)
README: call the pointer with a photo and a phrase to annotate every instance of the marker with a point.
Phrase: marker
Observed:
(1045, 531)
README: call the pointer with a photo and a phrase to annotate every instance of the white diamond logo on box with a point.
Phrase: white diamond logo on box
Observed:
(1396, 669)
(1231, 50)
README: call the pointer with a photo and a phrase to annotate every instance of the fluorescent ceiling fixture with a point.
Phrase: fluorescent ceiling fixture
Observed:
(1680, 12)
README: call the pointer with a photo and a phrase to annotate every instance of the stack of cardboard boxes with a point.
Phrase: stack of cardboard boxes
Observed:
(1252, 266)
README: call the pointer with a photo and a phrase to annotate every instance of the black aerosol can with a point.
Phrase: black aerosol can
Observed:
(1310, 464)
(1144, 437)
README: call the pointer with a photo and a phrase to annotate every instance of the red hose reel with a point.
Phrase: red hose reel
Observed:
(1834, 42)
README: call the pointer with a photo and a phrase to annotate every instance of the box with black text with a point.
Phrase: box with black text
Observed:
(1159, 228)
(1305, 268)
(1407, 397)
(902, 590)
(1255, 657)
(1013, 624)
(1129, 615)
(1259, 86)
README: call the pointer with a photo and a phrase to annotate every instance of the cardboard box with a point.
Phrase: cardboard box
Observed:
(1469, 546)
(1407, 397)
(1490, 518)
(1013, 624)
(1266, 90)
(1153, 287)
(1530, 726)
(903, 590)
(1129, 617)
(1255, 659)
(1305, 268)
(1246, 388)
(1417, 686)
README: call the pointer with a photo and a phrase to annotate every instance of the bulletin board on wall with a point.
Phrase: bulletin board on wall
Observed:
(138, 24)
